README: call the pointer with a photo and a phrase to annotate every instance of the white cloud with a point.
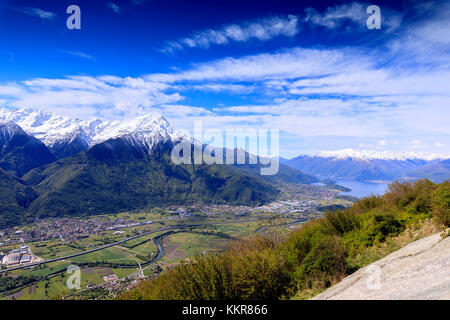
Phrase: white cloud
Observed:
(416, 144)
(108, 96)
(80, 54)
(333, 17)
(287, 64)
(262, 30)
(425, 42)
(10, 90)
(36, 12)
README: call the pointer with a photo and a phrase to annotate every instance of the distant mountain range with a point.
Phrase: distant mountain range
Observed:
(52, 165)
(363, 165)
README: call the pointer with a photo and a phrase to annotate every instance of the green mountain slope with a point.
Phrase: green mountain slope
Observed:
(15, 197)
(114, 176)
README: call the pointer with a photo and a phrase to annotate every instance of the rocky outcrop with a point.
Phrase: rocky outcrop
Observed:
(420, 270)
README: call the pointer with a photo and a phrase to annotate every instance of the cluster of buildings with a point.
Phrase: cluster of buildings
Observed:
(115, 286)
(180, 213)
(302, 206)
(66, 229)
(22, 255)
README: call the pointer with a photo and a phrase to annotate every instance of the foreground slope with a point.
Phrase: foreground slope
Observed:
(421, 270)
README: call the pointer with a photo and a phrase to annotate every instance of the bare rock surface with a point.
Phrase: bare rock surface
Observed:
(420, 270)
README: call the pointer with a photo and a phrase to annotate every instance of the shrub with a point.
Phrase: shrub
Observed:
(341, 221)
(440, 203)
(383, 226)
(406, 193)
(324, 264)
(300, 242)
(400, 193)
(366, 204)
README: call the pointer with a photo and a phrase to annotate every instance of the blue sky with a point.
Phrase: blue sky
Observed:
(309, 68)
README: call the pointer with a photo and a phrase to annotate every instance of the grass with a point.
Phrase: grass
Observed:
(48, 289)
(192, 244)
(122, 273)
(108, 254)
(238, 230)
(42, 271)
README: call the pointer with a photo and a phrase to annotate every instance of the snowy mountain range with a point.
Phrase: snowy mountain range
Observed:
(380, 155)
(366, 165)
(65, 136)
(56, 130)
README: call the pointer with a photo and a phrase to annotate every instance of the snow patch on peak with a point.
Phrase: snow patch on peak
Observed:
(10, 127)
(380, 155)
(8, 130)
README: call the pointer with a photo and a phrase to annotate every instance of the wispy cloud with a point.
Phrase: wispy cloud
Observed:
(114, 7)
(336, 17)
(285, 64)
(347, 17)
(36, 12)
(262, 30)
(80, 55)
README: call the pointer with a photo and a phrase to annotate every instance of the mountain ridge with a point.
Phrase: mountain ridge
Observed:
(378, 155)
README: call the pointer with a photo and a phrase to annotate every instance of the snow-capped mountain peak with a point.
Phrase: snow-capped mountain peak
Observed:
(8, 129)
(379, 155)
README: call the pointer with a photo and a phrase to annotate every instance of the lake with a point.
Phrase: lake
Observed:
(362, 189)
